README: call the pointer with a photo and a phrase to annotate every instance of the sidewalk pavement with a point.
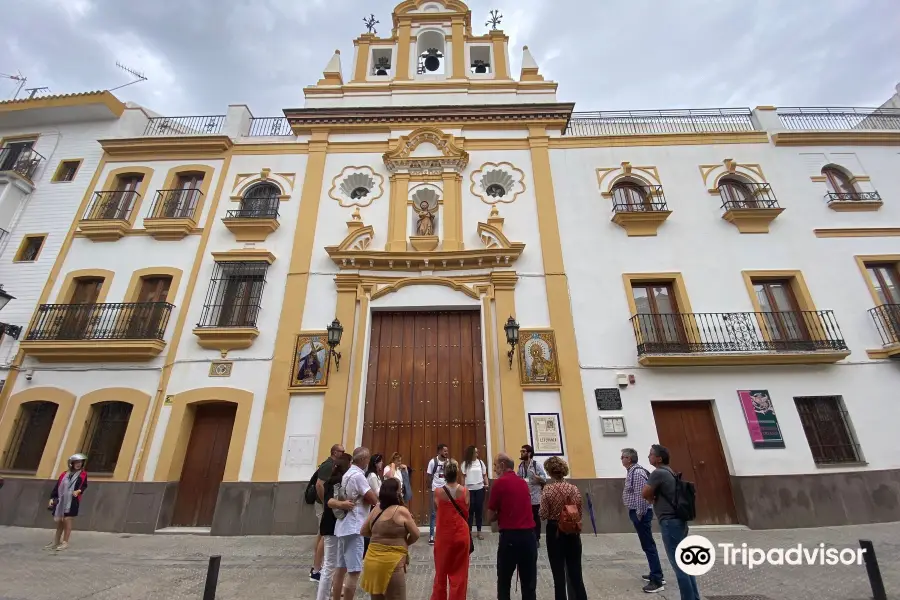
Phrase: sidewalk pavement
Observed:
(104, 566)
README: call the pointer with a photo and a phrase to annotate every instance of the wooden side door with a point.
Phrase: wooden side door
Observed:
(76, 320)
(424, 387)
(204, 464)
(688, 430)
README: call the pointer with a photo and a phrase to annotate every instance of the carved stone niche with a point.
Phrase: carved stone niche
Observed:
(425, 203)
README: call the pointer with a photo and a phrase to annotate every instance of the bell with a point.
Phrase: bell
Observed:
(432, 63)
(480, 66)
(381, 72)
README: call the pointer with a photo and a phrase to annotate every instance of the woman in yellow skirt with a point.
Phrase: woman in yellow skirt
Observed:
(393, 530)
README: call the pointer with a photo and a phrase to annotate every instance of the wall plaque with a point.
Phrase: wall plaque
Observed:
(608, 398)
(546, 436)
(761, 420)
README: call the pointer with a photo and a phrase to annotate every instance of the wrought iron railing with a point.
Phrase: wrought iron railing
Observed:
(639, 198)
(262, 126)
(255, 208)
(22, 161)
(234, 298)
(704, 333)
(887, 322)
(852, 197)
(817, 118)
(636, 122)
(3, 235)
(205, 125)
(175, 204)
(111, 205)
(117, 321)
(736, 195)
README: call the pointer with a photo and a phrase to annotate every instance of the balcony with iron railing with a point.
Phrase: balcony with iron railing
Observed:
(22, 162)
(639, 209)
(184, 126)
(742, 338)
(836, 125)
(269, 126)
(113, 331)
(887, 322)
(853, 201)
(652, 122)
(749, 206)
(108, 216)
(173, 214)
(254, 220)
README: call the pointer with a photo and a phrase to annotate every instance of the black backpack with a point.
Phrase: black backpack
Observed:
(685, 499)
(310, 495)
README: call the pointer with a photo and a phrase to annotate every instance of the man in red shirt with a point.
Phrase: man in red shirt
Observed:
(510, 506)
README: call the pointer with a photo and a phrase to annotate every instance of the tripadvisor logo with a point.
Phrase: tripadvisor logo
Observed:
(696, 555)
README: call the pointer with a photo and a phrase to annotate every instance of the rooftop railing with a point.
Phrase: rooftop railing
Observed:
(177, 126)
(269, 126)
(639, 122)
(818, 118)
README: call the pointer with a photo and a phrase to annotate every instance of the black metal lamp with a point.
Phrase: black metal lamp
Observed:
(5, 297)
(335, 331)
(512, 338)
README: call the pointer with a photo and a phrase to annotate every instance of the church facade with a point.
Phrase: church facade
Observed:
(432, 250)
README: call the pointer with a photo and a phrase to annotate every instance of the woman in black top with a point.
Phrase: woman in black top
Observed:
(326, 526)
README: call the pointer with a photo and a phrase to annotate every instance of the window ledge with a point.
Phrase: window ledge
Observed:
(104, 230)
(169, 229)
(640, 223)
(752, 220)
(224, 339)
(855, 205)
(97, 350)
(842, 465)
(251, 229)
(14, 473)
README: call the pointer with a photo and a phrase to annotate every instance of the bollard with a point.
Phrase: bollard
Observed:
(873, 571)
(212, 578)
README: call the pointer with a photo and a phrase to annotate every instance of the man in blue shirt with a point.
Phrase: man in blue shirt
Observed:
(533, 473)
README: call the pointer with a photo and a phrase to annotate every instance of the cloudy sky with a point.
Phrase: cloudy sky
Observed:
(201, 55)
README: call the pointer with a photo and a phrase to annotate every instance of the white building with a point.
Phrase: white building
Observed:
(681, 266)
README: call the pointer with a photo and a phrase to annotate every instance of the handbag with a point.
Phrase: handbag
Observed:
(456, 506)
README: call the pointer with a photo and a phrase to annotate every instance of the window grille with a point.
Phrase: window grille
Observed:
(29, 436)
(104, 434)
(827, 428)
(235, 295)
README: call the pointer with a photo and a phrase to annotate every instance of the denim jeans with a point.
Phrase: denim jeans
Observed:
(643, 527)
(673, 531)
(433, 514)
(476, 511)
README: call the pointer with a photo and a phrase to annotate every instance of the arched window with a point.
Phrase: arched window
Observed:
(629, 196)
(736, 193)
(431, 52)
(181, 202)
(104, 433)
(837, 180)
(29, 436)
(261, 201)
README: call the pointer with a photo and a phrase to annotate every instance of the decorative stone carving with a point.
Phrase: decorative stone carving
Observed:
(497, 182)
(356, 186)
(450, 156)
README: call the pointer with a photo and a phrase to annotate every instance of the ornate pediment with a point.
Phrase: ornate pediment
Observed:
(439, 152)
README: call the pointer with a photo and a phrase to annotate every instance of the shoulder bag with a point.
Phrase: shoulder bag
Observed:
(466, 521)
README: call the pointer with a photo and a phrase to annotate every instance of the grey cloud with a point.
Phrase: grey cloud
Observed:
(201, 55)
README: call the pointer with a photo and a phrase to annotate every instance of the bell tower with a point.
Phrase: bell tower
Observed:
(431, 51)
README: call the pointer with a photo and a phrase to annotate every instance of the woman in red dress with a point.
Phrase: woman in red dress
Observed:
(452, 539)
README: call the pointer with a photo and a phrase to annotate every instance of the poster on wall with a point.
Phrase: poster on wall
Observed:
(310, 365)
(761, 420)
(546, 436)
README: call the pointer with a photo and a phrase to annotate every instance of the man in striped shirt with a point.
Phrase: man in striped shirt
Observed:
(641, 513)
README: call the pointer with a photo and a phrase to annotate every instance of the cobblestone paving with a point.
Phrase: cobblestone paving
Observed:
(167, 567)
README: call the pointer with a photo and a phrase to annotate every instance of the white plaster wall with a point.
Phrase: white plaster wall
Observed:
(543, 401)
(710, 253)
(49, 209)
(304, 419)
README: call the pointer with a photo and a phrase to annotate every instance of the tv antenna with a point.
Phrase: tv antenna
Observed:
(138, 76)
(32, 92)
(20, 78)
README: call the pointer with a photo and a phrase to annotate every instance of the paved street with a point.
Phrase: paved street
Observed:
(130, 567)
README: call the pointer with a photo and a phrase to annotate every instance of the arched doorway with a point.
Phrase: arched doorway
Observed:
(204, 463)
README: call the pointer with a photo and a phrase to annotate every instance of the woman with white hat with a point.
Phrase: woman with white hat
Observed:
(65, 500)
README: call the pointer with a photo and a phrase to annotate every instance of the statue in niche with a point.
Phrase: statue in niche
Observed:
(425, 225)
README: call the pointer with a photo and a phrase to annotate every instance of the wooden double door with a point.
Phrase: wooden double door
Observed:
(688, 430)
(204, 464)
(424, 387)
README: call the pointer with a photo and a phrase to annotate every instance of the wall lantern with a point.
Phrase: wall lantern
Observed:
(5, 297)
(512, 338)
(335, 331)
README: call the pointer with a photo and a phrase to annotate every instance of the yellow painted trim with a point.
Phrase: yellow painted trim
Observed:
(752, 220)
(884, 353)
(842, 232)
(65, 100)
(274, 421)
(59, 166)
(68, 287)
(134, 285)
(769, 358)
(493, 373)
(836, 138)
(398, 213)
(244, 181)
(675, 279)
(443, 281)
(157, 230)
(251, 229)
(453, 227)
(172, 177)
(640, 223)
(179, 330)
(401, 70)
(458, 48)
(862, 261)
(87, 351)
(17, 257)
(512, 400)
(112, 179)
(167, 147)
(225, 339)
(245, 255)
(498, 41)
(855, 205)
(335, 407)
(646, 175)
(359, 361)
(660, 139)
(65, 402)
(181, 421)
(795, 277)
(139, 401)
(361, 66)
(571, 393)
